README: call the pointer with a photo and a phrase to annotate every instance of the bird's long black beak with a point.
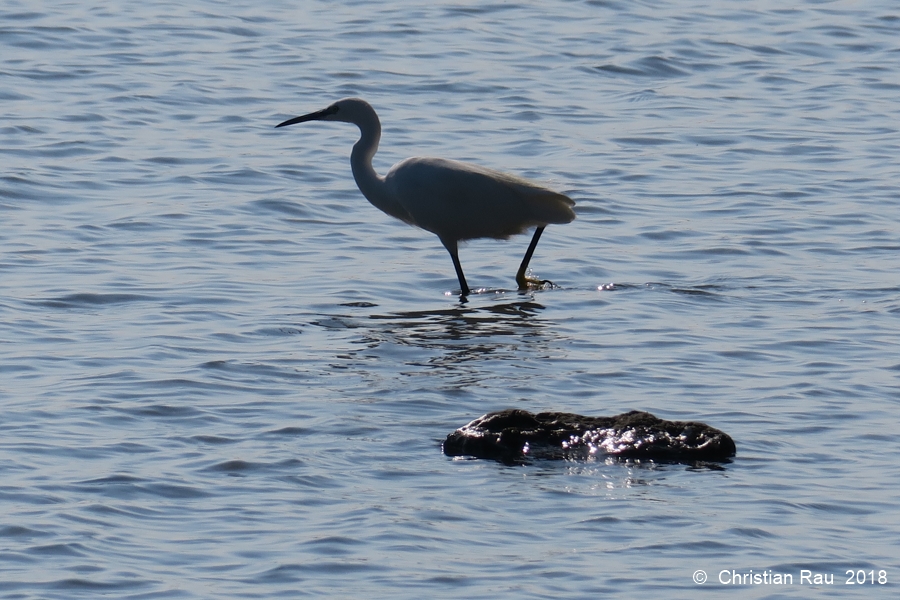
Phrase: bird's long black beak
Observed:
(314, 116)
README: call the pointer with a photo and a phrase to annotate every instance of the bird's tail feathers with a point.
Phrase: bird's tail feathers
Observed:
(552, 207)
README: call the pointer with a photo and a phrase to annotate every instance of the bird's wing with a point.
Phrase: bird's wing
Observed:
(461, 201)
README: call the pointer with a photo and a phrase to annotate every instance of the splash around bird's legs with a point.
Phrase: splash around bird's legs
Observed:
(533, 283)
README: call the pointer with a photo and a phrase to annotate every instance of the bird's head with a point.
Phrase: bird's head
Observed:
(346, 110)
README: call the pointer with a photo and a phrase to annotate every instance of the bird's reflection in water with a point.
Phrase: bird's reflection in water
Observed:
(463, 336)
(469, 333)
(467, 323)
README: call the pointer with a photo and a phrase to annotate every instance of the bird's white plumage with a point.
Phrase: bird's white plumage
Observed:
(461, 201)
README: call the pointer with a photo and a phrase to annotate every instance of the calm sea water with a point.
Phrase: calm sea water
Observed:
(223, 374)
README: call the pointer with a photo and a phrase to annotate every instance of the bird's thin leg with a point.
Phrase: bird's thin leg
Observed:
(454, 254)
(520, 276)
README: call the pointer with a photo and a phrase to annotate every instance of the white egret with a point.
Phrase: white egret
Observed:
(454, 200)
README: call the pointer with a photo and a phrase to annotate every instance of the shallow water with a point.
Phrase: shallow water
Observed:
(224, 374)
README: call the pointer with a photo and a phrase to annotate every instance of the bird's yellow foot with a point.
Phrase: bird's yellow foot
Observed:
(533, 283)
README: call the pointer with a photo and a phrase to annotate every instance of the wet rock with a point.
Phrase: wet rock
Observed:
(517, 436)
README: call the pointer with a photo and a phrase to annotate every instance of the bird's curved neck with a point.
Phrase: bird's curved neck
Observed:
(370, 183)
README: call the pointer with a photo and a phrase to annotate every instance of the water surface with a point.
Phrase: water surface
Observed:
(224, 374)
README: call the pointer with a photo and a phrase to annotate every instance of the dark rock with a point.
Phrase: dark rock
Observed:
(515, 436)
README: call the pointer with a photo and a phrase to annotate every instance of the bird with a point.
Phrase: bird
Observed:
(456, 201)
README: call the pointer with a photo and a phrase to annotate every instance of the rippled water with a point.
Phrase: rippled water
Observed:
(223, 374)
